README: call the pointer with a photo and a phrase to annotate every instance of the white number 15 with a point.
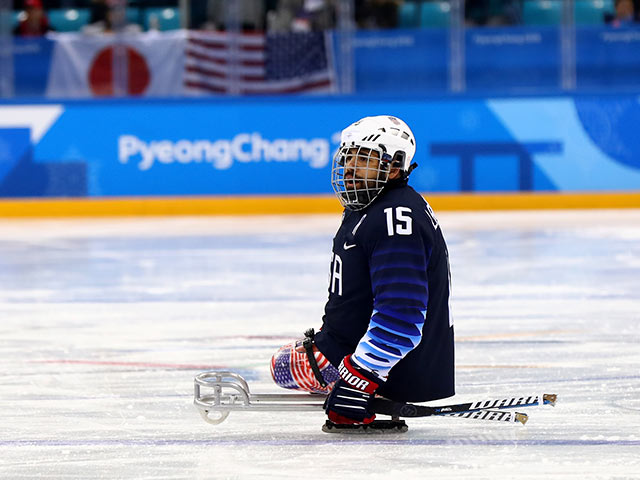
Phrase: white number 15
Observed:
(402, 224)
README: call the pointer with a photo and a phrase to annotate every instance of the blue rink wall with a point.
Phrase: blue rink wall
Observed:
(255, 146)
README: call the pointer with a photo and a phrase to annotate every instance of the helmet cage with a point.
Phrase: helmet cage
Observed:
(359, 173)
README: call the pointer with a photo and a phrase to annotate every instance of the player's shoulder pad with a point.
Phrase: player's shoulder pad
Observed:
(421, 209)
(402, 213)
(388, 218)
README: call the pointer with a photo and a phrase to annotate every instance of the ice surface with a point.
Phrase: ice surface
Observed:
(104, 324)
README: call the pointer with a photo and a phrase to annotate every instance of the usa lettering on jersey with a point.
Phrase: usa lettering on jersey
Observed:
(336, 274)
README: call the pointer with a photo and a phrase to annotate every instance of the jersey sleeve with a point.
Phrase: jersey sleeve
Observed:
(398, 269)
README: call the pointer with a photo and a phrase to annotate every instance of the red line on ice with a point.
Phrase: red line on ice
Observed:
(178, 366)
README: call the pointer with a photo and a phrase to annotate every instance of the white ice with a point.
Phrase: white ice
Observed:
(104, 324)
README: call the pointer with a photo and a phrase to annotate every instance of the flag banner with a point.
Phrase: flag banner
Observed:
(191, 63)
(253, 63)
(83, 65)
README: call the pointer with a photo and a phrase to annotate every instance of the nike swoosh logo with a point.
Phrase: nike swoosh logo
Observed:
(347, 247)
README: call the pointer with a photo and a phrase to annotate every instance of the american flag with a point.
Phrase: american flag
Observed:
(291, 369)
(253, 63)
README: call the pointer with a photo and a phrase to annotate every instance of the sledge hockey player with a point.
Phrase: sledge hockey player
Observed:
(387, 327)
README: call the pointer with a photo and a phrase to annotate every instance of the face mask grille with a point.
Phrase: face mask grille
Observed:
(358, 175)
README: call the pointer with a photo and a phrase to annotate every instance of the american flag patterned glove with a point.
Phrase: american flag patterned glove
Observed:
(350, 399)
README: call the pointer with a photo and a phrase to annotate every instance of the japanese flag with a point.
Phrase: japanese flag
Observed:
(83, 65)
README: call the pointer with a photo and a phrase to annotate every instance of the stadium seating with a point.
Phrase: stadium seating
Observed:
(161, 19)
(132, 15)
(496, 7)
(591, 12)
(435, 14)
(409, 15)
(68, 19)
(414, 13)
(16, 17)
(542, 12)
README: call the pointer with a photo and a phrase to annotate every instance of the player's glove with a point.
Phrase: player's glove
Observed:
(350, 399)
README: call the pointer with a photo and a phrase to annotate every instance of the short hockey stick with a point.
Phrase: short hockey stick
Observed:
(493, 415)
(398, 409)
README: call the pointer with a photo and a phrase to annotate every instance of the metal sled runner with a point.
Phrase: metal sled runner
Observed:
(221, 392)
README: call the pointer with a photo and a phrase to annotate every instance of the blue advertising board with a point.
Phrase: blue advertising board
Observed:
(285, 146)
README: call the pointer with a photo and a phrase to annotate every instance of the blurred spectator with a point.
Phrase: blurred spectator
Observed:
(282, 17)
(377, 13)
(302, 16)
(108, 17)
(320, 14)
(512, 11)
(251, 15)
(98, 9)
(35, 22)
(625, 14)
(46, 4)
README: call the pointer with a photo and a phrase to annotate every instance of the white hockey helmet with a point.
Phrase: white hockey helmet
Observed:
(369, 149)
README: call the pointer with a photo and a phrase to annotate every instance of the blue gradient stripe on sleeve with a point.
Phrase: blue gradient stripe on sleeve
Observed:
(400, 297)
(388, 340)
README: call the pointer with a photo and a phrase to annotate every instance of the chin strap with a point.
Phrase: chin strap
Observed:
(307, 343)
(412, 167)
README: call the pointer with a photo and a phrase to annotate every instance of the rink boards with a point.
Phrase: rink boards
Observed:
(255, 205)
(273, 155)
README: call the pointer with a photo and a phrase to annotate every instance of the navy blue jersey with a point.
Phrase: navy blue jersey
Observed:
(389, 297)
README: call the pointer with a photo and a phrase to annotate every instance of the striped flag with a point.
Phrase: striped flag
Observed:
(251, 63)
(291, 369)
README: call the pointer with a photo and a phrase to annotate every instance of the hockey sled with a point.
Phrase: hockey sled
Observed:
(216, 394)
